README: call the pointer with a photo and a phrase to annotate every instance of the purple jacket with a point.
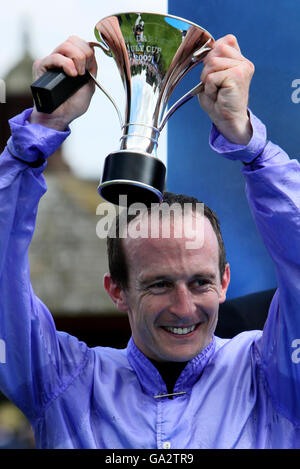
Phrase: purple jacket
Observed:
(239, 393)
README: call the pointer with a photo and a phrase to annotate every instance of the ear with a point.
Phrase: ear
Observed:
(116, 293)
(224, 284)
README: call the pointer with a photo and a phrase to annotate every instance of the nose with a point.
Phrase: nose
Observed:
(182, 304)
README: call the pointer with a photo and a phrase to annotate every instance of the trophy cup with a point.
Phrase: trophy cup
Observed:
(153, 52)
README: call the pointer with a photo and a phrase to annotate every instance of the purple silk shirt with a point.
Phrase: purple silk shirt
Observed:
(238, 393)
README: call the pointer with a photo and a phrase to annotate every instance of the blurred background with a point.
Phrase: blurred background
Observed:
(67, 259)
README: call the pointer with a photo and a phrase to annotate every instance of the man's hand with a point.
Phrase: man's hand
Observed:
(74, 56)
(226, 76)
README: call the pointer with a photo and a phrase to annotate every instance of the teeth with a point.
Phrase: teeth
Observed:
(180, 330)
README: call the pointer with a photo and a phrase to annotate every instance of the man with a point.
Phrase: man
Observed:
(238, 393)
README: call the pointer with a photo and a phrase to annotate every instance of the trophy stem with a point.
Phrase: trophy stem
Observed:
(140, 137)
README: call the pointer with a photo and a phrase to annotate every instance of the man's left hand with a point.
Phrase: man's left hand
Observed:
(226, 76)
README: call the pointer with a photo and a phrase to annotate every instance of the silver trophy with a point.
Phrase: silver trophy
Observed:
(153, 52)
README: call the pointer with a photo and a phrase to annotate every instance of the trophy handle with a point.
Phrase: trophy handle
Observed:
(190, 94)
(106, 51)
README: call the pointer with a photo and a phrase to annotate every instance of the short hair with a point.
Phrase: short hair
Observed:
(117, 262)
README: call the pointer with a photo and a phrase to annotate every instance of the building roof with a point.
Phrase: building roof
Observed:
(67, 259)
(19, 78)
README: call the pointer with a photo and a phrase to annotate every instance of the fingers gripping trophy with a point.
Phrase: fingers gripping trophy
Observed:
(153, 52)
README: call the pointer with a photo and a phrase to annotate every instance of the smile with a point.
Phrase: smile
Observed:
(180, 330)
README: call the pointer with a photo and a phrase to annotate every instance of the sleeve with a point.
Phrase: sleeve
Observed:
(273, 192)
(37, 361)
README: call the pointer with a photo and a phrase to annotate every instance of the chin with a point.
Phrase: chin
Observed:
(184, 356)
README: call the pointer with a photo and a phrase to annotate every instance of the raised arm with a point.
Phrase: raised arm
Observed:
(38, 362)
(273, 191)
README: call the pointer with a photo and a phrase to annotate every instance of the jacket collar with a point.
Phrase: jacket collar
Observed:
(152, 382)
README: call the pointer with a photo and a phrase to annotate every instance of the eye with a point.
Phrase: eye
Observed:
(199, 283)
(160, 287)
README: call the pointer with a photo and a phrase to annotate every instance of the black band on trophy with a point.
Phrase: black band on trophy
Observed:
(140, 177)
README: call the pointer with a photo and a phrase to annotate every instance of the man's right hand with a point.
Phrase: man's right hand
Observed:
(74, 56)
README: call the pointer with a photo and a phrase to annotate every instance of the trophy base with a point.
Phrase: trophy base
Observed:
(139, 177)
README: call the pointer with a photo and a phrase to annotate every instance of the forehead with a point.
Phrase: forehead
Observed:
(197, 248)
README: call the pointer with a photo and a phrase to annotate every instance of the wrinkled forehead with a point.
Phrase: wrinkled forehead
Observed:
(166, 221)
(189, 228)
(174, 252)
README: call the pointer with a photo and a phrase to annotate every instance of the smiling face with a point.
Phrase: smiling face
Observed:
(173, 294)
